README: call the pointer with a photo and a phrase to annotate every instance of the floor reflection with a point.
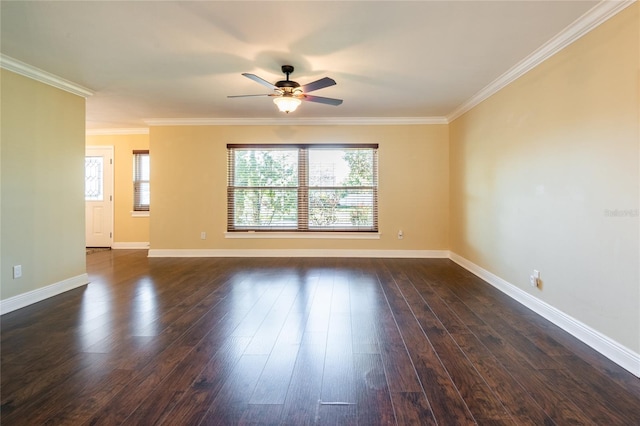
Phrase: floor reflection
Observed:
(95, 319)
(144, 309)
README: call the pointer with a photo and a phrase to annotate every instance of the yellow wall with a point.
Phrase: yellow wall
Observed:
(539, 171)
(127, 229)
(188, 178)
(42, 184)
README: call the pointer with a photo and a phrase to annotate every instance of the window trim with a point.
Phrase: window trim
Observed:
(302, 227)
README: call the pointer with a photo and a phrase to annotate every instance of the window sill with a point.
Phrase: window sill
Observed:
(139, 214)
(304, 235)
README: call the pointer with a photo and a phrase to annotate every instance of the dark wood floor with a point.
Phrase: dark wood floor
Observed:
(298, 341)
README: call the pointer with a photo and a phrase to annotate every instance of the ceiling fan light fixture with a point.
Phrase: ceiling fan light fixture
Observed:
(287, 103)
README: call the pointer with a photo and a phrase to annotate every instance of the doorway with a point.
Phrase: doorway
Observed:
(98, 175)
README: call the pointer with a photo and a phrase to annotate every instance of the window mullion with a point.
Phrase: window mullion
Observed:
(303, 189)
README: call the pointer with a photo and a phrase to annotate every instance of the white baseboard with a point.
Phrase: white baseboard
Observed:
(299, 253)
(621, 355)
(40, 294)
(130, 245)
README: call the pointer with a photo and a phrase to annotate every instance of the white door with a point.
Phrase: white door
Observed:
(98, 195)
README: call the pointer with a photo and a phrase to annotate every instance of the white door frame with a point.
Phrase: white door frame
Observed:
(111, 164)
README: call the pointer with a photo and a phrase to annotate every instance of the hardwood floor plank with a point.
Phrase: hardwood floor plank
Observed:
(262, 414)
(336, 413)
(458, 299)
(305, 387)
(337, 404)
(27, 387)
(524, 354)
(273, 384)
(76, 384)
(172, 389)
(338, 375)
(412, 408)
(478, 396)
(624, 394)
(141, 386)
(301, 402)
(613, 413)
(444, 397)
(373, 400)
(197, 398)
(513, 396)
(541, 349)
(454, 316)
(446, 403)
(364, 294)
(231, 403)
(297, 341)
(95, 396)
(558, 407)
(267, 333)
(231, 320)
(399, 369)
(252, 321)
(587, 356)
(154, 373)
(492, 315)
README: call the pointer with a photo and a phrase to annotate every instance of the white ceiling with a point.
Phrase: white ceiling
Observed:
(180, 59)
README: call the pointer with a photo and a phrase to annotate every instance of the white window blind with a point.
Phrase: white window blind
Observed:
(141, 173)
(302, 188)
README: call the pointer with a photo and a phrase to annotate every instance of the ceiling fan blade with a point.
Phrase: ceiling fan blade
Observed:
(320, 99)
(260, 80)
(318, 84)
(248, 96)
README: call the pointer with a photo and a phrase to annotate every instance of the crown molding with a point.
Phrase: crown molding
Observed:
(319, 121)
(597, 15)
(42, 76)
(124, 131)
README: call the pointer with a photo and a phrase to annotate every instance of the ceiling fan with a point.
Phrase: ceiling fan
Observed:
(288, 94)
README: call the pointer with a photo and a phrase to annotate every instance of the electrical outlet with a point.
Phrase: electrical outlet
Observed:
(534, 279)
(203, 235)
(17, 271)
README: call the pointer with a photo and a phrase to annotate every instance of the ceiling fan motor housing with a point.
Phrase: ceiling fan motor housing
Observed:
(287, 85)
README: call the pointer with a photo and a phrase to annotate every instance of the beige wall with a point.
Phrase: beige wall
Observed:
(127, 229)
(188, 178)
(42, 184)
(537, 169)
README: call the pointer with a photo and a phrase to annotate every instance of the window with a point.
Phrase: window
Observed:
(302, 188)
(93, 176)
(141, 193)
